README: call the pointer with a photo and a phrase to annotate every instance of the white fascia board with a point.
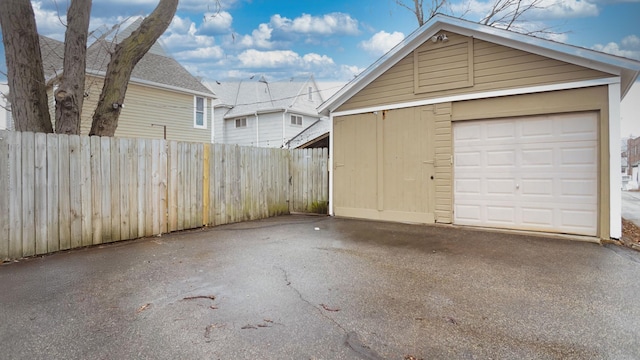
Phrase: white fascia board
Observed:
(615, 162)
(331, 168)
(484, 95)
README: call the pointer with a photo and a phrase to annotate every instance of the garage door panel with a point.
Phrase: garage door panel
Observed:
(578, 156)
(500, 214)
(537, 129)
(500, 186)
(578, 218)
(576, 189)
(503, 131)
(542, 177)
(537, 187)
(537, 217)
(500, 158)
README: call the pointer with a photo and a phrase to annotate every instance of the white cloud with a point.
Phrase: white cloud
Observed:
(260, 37)
(183, 34)
(48, 22)
(615, 49)
(312, 59)
(631, 41)
(268, 59)
(562, 9)
(216, 23)
(329, 24)
(203, 53)
(381, 42)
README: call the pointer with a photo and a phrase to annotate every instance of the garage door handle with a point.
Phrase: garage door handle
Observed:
(431, 177)
(517, 186)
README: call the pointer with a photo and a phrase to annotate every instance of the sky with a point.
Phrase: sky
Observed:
(336, 40)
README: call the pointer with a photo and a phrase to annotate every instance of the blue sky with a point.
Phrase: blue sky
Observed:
(334, 40)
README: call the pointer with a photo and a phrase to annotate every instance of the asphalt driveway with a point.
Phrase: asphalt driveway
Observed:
(297, 287)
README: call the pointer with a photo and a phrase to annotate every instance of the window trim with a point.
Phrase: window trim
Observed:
(291, 120)
(196, 112)
(242, 121)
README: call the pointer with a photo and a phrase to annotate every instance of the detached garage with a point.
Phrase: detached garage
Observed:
(468, 124)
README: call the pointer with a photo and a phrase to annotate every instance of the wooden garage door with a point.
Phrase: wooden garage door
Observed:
(530, 173)
(384, 165)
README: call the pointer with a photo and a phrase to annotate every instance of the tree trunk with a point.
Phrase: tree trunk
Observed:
(27, 92)
(70, 94)
(124, 58)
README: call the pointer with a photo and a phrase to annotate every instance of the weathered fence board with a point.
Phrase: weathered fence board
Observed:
(40, 192)
(86, 210)
(53, 234)
(5, 173)
(28, 195)
(65, 191)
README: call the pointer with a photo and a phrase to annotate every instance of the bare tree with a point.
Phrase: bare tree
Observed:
(123, 59)
(70, 94)
(27, 94)
(506, 13)
(503, 14)
(27, 88)
(417, 8)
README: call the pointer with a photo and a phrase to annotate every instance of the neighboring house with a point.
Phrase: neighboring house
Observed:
(4, 106)
(262, 113)
(161, 93)
(469, 124)
(315, 136)
(633, 160)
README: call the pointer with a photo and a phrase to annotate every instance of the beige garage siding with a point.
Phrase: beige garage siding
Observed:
(494, 67)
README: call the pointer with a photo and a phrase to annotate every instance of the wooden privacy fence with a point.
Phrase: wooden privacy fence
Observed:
(60, 192)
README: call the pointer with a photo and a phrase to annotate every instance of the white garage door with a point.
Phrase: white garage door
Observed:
(530, 173)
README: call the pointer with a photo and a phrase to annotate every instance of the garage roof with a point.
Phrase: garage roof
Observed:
(627, 69)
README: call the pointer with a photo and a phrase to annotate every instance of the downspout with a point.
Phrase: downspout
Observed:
(257, 130)
(331, 165)
(284, 124)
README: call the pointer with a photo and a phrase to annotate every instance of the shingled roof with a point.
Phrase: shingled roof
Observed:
(155, 67)
(247, 97)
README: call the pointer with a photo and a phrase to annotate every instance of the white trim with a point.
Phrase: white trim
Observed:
(484, 95)
(331, 211)
(195, 112)
(615, 162)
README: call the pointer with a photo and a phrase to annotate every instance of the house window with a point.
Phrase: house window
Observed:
(310, 92)
(296, 120)
(199, 113)
(242, 122)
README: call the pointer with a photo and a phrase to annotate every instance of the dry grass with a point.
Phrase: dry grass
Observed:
(630, 234)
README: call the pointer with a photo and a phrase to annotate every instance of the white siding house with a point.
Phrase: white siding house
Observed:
(262, 113)
(4, 114)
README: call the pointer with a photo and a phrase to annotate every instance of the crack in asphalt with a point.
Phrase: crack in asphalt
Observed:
(352, 341)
